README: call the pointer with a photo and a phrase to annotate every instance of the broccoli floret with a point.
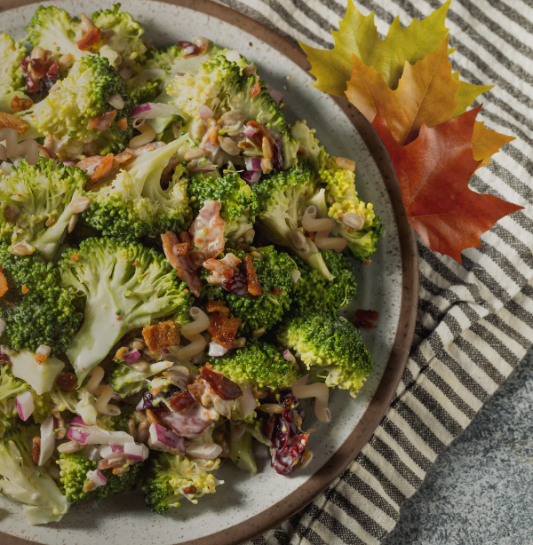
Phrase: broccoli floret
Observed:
(126, 381)
(73, 476)
(125, 36)
(241, 453)
(314, 151)
(135, 204)
(330, 347)
(238, 202)
(362, 243)
(274, 272)
(125, 286)
(313, 292)
(74, 101)
(26, 483)
(10, 388)
(79, 402)
(259, 365)
(282, 199)
(35, 308)
(171, 478)
(36, 204)
(11, 76)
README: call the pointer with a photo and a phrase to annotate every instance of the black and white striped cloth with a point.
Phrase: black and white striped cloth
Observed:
(475, 320)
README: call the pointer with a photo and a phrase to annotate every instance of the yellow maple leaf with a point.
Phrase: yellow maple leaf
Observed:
(425, 94)
(357, 35)
(467, 93)
(486, 142)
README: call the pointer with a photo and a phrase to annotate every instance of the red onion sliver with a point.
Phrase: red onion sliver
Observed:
(78, 421)
(131, 357)
(136, 451)
(275, 94)
(249, 132)
(253, 163)
(69, 163)
(92, 453)
(166, 440)
(205, 168)
(108, 450)
(97, 477)
(288, 356)
(233, 55)
(93, 435)
(205, 112)
(247, 403)
(146, 107)
(25, 406)
(151, 110)
(251, 177)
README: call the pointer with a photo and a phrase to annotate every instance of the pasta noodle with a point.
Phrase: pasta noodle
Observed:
(105, 392)
(323, 228)
(146, 136)
(14, 149)
(192, 332)
(319, 391)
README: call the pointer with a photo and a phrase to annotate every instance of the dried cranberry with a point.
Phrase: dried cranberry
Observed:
(33, 85)
(237, 284)
(278, 155)
(148, 401)
(189, 48)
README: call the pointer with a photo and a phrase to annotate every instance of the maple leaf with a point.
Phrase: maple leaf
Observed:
(467, 93)
(425, 94)
(486, 142)
(358, 35)
(433, 172)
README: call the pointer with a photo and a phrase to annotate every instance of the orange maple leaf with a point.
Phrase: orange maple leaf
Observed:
(433, 172)
(486, 142)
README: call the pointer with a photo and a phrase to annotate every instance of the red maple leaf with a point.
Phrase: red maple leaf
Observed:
(434, 171)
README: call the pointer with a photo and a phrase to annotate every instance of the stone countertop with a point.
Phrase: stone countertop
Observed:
(479, 491)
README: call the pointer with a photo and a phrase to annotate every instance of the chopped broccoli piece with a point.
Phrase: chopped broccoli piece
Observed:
(11, 76)
(74, 468)
(79, 402)
(170, 478)
(238, 202)
(330, 347)
(259, 365)
(126, 381)
(135, 204)
(44, 314)
(363, 242)
(125, 286)
(241, 453)
(282, 199)
(274, 271)
(313, 292)
(39, 199)
(26, 483)
(10, 388)
(74, 101)
(314, 152)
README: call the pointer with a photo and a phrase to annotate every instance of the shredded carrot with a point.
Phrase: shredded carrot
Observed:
(3, 283)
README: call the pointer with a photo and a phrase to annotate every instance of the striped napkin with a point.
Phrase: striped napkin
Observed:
(475, 320)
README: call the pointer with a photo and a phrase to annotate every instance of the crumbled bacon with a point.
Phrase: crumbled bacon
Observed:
(102, 122)
(255, 90)
(40, 358)
(18, 104)
(46, 153)
(185, 237)
(102, 168)
(223, 329)
(3, 283)
(224, 387)
(183, 248)
(182, 401)
(207, 232)
(90, 40)
(216, 306)
(121, 158)
(162, 335)
(13, 122)
(251, 277)
(218, 267)
(277, 291)
(181, 263)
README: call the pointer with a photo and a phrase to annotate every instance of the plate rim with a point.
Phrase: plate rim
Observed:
(397, 361)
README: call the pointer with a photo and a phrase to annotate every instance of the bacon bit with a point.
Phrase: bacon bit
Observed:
(255, 90)
(24, 289)
(367, 262)
(182, 401)
(207, 232)
(223, 329)
(151, 416)
(67, 382)
(251, 277)
(184, 269)
(190, 489)
(350, 230)
(40, 358)
(195, 50)
(185, 237)
(277, 291)
(197, 390)
(91, 41)
(102, 122)
(3, 283)
(182, 249)
(364, 318)
(301, 151)
(217, 306)
(20, 104)
(74, 257)
(260, 133)
(13, 122)
(162, 335)
(122, 123)
(46, 153)
(102, 168)
(121, 158)
(222, 386)
(36, 450)
(219, 267)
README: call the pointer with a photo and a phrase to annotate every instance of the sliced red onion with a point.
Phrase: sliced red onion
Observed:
(93, 435)
(165, 351)
(176, 130)
(69, 163)
(136, 451)
(205, 112)
(253, 163)
(25, 406)
(78, 421)
(189, 48)
(166, 440)
(203, 451)
(279, 155)
(216, 350)
(97, 477)
(205, 168)
(275, 94)
(251, 177)
(151, 110)
(233, 55)
(48, 440)
(247, 403)
(179, 74)
(249, 131)
(108, 450)
(288, 356)
(131, 357)
(92, 453)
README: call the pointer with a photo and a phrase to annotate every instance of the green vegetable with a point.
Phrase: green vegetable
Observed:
(79, 402)
(45, 314)
(274, 271)
(74, 468)
(241, 453)
(40, 194)
(135, 204)
(125, 286)
(330, 347)
(11, 76)
(363, 242)
(32, 486)
(259, 365)
(10, 388)
(313, 292)
(170, 478)
(40, 376)
(126, 381)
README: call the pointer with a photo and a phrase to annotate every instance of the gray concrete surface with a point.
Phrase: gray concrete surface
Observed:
(480, 490)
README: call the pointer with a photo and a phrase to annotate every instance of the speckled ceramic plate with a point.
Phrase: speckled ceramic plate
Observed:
(244, 507)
